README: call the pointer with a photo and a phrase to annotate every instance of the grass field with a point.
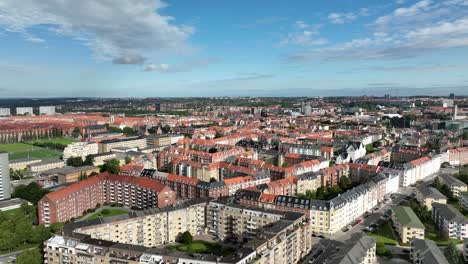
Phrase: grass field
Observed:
(103, 214)
(64, 141)
(21, 150)
(384, 234)
(202, 247)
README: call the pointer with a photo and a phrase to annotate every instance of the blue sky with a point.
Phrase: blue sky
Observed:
(232, 48)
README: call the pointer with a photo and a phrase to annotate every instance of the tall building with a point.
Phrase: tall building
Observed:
(46, 110)
(4, 177)
(24, 111)
(5, 112)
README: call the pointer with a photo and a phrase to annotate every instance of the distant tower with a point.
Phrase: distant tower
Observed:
(452, 96)
(112, 119)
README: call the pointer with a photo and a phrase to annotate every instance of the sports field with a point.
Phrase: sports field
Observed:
(63, 141)
(21, 151)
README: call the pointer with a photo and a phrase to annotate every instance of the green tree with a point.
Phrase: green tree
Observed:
(344, 182)
(76, 132)
(40, 234)
(32, 192)
(128, 160)
(321, 193)
(23, 230)
(128, 131)
(29, 256)
(186, 238)
(89, 160)
(451, 254)
(436, 183)
(8, 240)
(75, 161)
(111, 166)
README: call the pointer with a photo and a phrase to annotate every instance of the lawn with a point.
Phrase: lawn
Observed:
(63, 141)
(108, 212)
(202, 247)
(21, 150)
(383, 234)
(11, 212)
(433, 234)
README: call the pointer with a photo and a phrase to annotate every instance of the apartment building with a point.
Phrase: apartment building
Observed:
(415, 170)
(463, 200)
(73, 200)
(407, 224)
(46, 165)
(456, 186)
(149, 228)
(46, 110)
(360, 250)
(232, 221)
(429, 195)
(24, 111)
(307, 149)
(426, 251)
(5, 192)
(130, 142)
(22, 164)
(405, 153)
(158, 141)
(285, 241)
(308, 182)
(5, 112)
(80, 149)
(448, 219)
(376, 157)
(328, 217)
(458, 156)
(100, 159)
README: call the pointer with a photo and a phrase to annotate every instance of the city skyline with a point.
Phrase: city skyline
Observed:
(172, 49)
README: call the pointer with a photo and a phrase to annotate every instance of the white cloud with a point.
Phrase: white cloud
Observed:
(406, 32)
(117, 30)
(342, 18)
(181, 67)
(304, 35)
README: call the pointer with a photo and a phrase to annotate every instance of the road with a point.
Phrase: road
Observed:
(327, 246)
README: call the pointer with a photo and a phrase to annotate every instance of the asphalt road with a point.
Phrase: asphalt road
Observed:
(327, 246)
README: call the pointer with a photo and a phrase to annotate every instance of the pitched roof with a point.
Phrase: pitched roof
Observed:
(407, 217)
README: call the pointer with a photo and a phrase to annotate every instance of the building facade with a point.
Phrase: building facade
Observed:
(4, 177)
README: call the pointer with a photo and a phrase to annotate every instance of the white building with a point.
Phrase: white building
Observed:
(80, 149)
(4, 177)
(46, 110)
(450, 221)
(5, 112)
(419, 169)
(355, 150)
(24, 111)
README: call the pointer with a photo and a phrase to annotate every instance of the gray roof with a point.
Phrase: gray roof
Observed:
(430, 192)
(354, 252)
(428, 252)
(449, 213)
(449, 180)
